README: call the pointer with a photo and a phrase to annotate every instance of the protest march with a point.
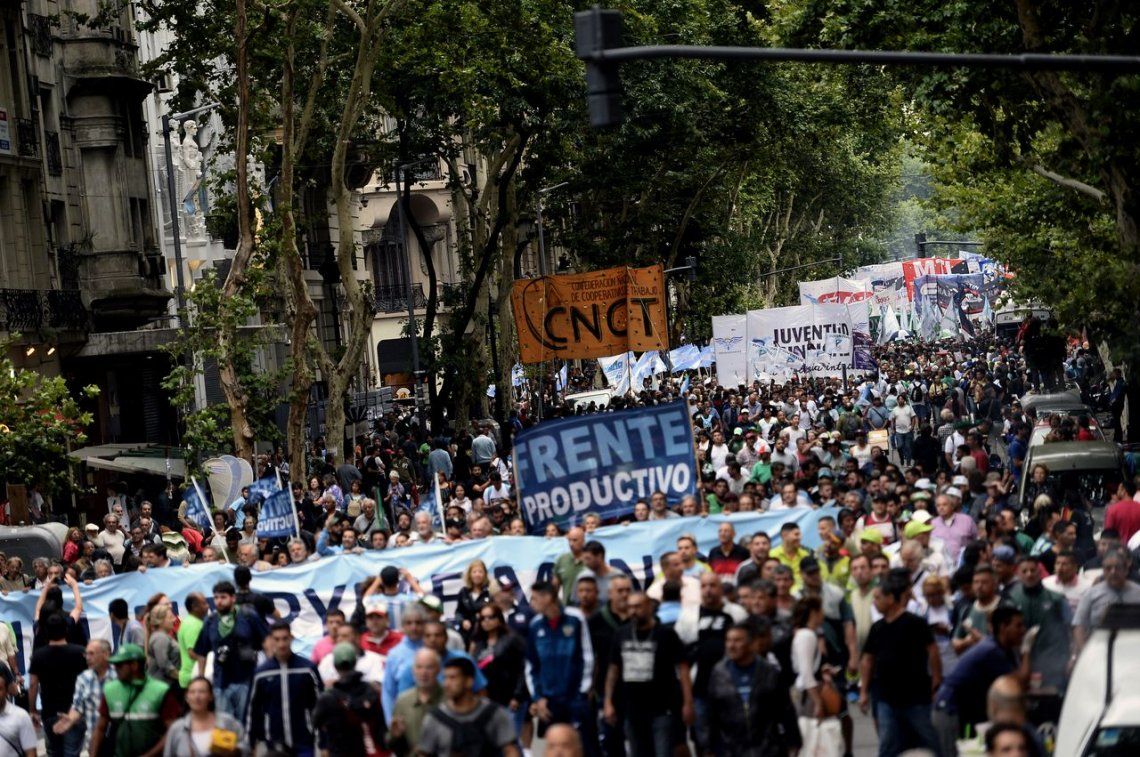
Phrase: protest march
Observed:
(735, 557)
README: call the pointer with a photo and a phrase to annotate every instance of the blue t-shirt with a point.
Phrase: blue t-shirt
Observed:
(742, 679)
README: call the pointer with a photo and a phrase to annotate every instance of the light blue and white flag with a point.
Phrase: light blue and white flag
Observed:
(617, 371)
(707, 357)
(561, 378)
(687, 357)
(518, 377)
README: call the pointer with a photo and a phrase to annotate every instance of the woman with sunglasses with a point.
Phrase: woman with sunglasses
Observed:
(501, 654)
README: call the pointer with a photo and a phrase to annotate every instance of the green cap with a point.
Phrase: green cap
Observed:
(128, 653)
(344, 656)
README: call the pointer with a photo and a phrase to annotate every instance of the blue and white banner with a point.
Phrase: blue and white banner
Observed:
(707, 357)
(305, 593)
(277, 518)
(603, 463)
(617, 370)
(197, 507)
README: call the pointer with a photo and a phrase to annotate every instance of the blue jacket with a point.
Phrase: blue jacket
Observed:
(281, 701)
(559, 658)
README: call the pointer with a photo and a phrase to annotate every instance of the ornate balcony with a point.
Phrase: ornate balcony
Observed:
(27, 138)
(34, 309)
(394, 299)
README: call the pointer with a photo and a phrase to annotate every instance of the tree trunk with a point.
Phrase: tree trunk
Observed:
(236, 396)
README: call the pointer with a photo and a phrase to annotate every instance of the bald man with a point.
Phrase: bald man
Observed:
(563, 741)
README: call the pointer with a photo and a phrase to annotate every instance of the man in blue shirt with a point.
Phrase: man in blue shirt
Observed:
(560, 664)
(961, 699)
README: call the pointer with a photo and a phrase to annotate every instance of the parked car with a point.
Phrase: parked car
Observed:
(1101, 713)
(1042, 429)
(1092, 468)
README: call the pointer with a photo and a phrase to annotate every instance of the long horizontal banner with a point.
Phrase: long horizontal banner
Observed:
(603, 463)
(593, 314)
(305, 593)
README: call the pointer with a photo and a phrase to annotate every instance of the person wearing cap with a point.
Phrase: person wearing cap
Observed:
(378, 637)
(560, 661)
(284, 691)
(371, 666)
(348, 716)
(870, 543)
(140, 708)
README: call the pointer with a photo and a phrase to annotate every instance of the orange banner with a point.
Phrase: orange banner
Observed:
(593, 314)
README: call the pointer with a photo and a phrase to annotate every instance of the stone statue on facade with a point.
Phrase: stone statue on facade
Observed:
(188, 161)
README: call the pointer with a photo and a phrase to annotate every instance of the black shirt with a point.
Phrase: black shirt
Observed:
(647, 674)
(57, 666)
(708, 650)
(902, 676)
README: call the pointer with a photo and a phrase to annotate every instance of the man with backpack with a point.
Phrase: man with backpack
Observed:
(349, 718)
(465, 724)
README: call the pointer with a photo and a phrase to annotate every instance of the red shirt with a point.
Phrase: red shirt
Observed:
(381, 646)
(982, 459)
(1124, 516)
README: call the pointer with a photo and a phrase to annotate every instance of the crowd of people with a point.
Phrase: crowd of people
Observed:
(941, 596)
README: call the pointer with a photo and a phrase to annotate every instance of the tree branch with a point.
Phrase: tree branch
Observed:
(1068, 183)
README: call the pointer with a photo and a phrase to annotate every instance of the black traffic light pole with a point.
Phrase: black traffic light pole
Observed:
(597, 35)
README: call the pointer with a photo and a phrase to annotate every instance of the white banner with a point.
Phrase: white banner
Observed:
(729, 343)
(834, 290)
(811, 339)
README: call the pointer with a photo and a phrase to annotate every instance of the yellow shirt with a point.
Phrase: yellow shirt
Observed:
(792, 562)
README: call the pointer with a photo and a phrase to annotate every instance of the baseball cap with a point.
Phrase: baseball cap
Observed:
(960, 480)
(344, 656)
(809, 565)
(925, 484)
(738, 431)
(953, 491)
(922, 516)
(920, 497)
(432, 602)
(914, 528)
(506, 584)
(375, 606)
(872, 535)
(825, 473)
(1006, 554)
(128, 653)
(91, 527)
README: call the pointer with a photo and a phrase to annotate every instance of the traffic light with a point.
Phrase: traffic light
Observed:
(595, 31)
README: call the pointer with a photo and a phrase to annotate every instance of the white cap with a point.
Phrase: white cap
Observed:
(960, 480)
(953, 491)
(925, 484)
(922, 516)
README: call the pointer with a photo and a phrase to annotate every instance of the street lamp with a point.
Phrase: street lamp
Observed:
(167, 120)
(543, 270)
(412, 330)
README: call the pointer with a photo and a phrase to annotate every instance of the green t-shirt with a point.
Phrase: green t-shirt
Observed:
(715, 507)
(567, 570)
(187, 636)
(761, 473)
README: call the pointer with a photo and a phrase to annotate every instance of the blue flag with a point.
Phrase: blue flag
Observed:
(276, 515)
(685, 386)
(197, 509)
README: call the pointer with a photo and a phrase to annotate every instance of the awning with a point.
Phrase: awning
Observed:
(134, 458)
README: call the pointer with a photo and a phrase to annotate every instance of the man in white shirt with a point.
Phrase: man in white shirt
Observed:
(903, 423)
(1068, 581)
(718, 453)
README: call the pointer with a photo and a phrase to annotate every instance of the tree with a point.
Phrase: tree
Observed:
(40, 422)
(1043, 164)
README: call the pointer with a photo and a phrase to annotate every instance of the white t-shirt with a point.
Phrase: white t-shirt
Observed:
(1072, 592)
(369, 664)
(490, 494)
(902, 418)
(16, 727)
(718, 455)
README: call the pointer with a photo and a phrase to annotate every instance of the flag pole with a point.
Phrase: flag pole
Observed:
(292, 503)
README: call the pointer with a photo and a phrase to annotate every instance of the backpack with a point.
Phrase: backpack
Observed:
(469, 739)
(916, 393)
